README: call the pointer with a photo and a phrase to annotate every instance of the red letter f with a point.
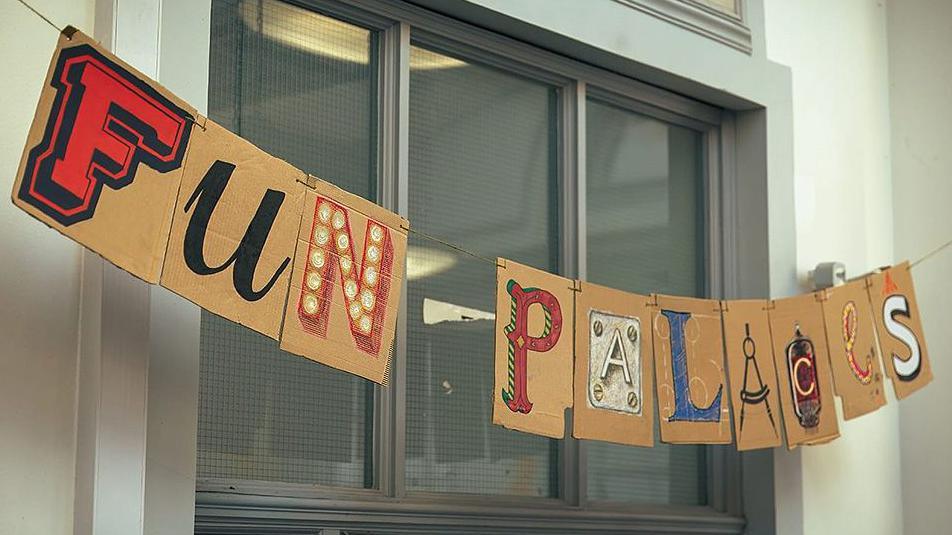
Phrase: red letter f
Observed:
(104, 122)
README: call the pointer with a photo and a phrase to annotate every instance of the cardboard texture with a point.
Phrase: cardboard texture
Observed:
(614, 380)
(854, 354)
(104, 157)
(689, 366)
(534, 348)
(803, 370)
(349, 271)
(234, 229)
(902, 343)
(752, 374)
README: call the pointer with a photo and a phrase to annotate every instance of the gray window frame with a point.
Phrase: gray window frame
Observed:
(228, 506)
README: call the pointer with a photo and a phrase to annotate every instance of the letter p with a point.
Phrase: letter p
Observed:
(516, 396)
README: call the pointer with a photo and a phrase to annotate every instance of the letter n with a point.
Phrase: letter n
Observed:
(365, 286)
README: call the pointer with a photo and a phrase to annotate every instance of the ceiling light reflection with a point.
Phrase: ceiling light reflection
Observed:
(425, 262)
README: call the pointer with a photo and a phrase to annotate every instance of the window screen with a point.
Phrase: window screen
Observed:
(483, 176)
(303, 87)
(645, 216)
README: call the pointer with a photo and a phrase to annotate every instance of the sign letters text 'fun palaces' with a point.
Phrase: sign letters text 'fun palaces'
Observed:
(117, 163)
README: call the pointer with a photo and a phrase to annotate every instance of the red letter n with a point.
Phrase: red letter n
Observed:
(364, 286)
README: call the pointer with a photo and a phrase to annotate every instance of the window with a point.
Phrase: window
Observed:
(485, 177)
(436, 119)
(645, 213)
(303, 87)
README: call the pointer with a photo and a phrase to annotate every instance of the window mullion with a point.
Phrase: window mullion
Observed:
(572, 102)
(581, 246)
(395, 69)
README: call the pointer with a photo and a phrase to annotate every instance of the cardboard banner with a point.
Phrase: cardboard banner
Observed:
(803, 370)
(854, 355)
(234, 229)
(535, 311)
(103, 159)
(753, 375)
(689, 365)
(613, 367)
(342, 308)
(899, 326)
(257, 241)
(209, 215)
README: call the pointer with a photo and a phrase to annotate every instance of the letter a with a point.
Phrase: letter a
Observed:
(616, 357)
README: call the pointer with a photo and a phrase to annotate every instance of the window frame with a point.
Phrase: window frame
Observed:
(230, 506)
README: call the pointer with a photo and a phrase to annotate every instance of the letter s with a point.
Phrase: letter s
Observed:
(906, 369)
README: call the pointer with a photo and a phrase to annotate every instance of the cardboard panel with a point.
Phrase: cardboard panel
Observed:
(345, 290)
(234, 229)
(854, 354)
(689, 365)
(752, 374)
(104, 156)
(534, 347)
(614, 382)
(803, 370)
(902, 343)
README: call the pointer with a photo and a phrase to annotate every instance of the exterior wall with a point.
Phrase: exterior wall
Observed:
(39, 320)
(837, 52)
(920, 77)
(73, 439)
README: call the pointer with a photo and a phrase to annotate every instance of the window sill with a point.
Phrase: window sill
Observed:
(242, 513)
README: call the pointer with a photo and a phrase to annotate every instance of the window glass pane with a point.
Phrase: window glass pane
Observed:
(303, 87)
(483, 175)
(645, 217)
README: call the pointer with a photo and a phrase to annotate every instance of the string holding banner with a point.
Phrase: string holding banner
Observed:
(41, 16)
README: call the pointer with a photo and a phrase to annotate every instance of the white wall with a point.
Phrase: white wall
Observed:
(39, 285)
(837, 52)
(921, 109)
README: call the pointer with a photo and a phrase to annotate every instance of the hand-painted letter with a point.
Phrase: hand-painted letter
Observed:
(104, 122)
(684, 409)
(365, 286)
(850, 326)
(804, 385)
(906, 369)
(520, 343)
(245, 258)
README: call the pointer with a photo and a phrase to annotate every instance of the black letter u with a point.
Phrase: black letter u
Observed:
(245, 258)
